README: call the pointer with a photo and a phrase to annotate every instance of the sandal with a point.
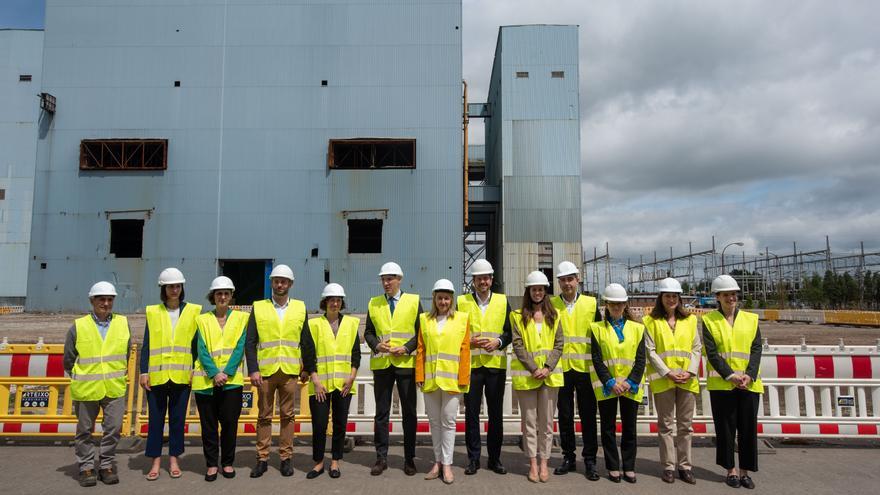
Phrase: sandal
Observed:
(175, 473)
(152, 476)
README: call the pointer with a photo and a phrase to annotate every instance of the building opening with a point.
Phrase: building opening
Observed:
(364, 236)
(127, 238)
(251, 279)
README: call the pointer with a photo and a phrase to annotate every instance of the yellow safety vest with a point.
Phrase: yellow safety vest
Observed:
(443, 352)
(674, 348)
(539, 347)
(221, 344)
(396, 329)
(333, 352)
(488, 325)
(734, 345)
(619, 357)
(100, 367)
(576, 331)
(278, 346)
(171, 359)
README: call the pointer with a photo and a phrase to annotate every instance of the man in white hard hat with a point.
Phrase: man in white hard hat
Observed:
(274, 364)
(392, 334)
(489, 317)
(577, 313)
(96, 352)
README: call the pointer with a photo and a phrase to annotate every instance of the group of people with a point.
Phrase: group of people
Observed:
(564, 352)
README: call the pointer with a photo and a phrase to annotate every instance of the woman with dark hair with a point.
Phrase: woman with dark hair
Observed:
(443, 372)
(673, 345)
(618, 349)
(167, 356)
(537, 374)
(331, 353)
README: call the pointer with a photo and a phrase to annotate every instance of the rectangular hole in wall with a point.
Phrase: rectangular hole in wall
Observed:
(2, 194)
(557, 74)
(127, 238)
(522, 75)
(364, 236)
(25, 78)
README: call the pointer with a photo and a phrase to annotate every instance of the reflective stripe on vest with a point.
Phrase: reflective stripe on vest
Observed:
(733, 345)
(333, 352)
(171, 349)
(674, 348)
(442, 352)
(539, 346)
(576, 332)
(488, 325)
(618, 357)
(100, 367)
(396, 330)
(221, 344)
(278, 347)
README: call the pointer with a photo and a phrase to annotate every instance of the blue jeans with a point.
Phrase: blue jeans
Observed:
(169, 399)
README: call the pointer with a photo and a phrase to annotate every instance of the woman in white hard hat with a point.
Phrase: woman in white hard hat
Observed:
(536, 371)
(443, 372)
(673, 345)
(732, 345)
(218, 378)
(167, 356)
(618, 375)
(331, 352)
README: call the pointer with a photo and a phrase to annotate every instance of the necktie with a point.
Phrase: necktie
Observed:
(392, 302)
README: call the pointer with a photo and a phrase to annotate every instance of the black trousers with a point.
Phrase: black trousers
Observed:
(577, 384)
(491, 383)
(629, 410)
(335, 402)
(383, 385)
(735, 414)
(222, 408)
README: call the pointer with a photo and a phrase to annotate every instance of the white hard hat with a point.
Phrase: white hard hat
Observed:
(669, 285)
(615, 293)
(102, 289)
(171, 276)
(443, 285)
(332, 290)
(724, 283)
(282, 271)
(537, 278)
(222, 282)
(567, 268)
(482, 267)
(391, 268)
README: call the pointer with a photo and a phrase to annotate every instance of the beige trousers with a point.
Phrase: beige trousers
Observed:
(286, 386)
(537, 408)
(675, 408)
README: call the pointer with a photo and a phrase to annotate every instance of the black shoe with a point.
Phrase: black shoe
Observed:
(287, 467)
(629, 479)
(496, 467)
(108, 476)
(614, 479)
(590, 472)
(567, 466)
(732, 481)
(380, 466)
(687, 476)
(472, 468)
(314, 474)
(259, 469)
(409, 468)
(229, 475)
(334, 473)
(746, 482)
(210, 477)
(88, 478)
(668, 476)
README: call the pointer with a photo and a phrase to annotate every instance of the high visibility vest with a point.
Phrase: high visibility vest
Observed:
(278, 346)
(100, 367)
(576, 331)
(619, 357)
(333, 351)
(396, 329)
(538, 347)
(443, 352)
(734, 345)
(674, 348)
(488, 325)
(221, 344)
(171, 359)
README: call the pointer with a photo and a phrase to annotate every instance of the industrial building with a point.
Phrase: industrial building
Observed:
(230, 137)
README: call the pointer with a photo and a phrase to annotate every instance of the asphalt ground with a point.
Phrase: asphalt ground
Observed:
(800, 468)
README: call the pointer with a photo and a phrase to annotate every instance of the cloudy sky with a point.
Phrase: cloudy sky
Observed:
(751, 121)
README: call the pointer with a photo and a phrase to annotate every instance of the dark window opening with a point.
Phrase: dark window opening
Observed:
(43, 266)
(249, 277)
(176, 84)
(25, 78)
(2, 194)
(326, 276)
(371, 153)
(323, 82)
(127, 238)
(557, 74)
(522, 74)
(365, 236)
(123, 154)
(314, 252)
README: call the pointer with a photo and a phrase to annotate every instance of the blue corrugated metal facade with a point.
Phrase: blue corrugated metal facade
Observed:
(248, 130)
